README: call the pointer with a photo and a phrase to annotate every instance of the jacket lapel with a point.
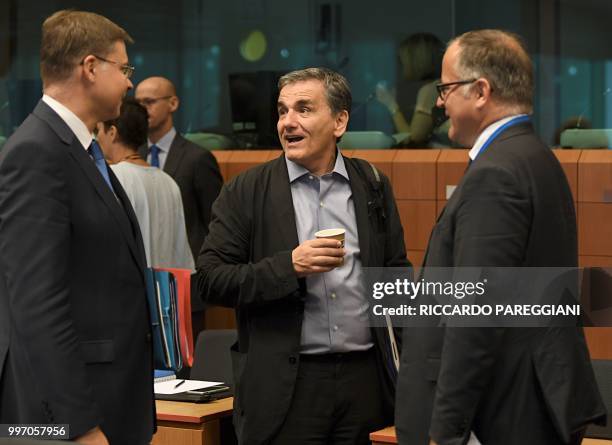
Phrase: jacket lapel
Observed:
(175, 155)
(120, 214)
(360, 193)
(281, 203)
(90, 170)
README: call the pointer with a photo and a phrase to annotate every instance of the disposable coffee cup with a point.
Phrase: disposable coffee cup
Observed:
(337, 234)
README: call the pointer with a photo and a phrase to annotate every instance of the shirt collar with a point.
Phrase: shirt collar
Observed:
(165, 142)
(75, 124)
(296, 171)
(487, 132)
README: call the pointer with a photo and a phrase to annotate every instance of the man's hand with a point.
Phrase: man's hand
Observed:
(317, 256)
(93, 437)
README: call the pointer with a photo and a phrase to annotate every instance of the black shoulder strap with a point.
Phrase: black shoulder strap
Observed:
(370, 174)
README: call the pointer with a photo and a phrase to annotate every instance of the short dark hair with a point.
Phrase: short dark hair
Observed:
(132, 124)
(337, 88)
(68, 36)
(424, 52)
(501, 58)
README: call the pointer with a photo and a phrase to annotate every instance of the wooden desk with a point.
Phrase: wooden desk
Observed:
(181, 423)
(387, 436)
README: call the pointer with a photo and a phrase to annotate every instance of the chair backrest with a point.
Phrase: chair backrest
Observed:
(603, 375)
(211, 141)
(366, 139)
(587, 138)
(212, 359)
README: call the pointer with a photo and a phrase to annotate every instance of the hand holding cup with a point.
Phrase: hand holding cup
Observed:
(319, 255)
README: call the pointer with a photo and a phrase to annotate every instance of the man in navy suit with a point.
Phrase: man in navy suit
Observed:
(512, 209)
(75, 342)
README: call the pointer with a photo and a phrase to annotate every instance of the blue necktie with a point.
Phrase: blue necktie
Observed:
(96, 154)
(155, 155)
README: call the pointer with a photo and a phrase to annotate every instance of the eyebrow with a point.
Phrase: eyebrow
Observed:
(299, 103)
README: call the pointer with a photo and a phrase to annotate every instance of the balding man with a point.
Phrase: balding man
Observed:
(194, 168)
(513, 208)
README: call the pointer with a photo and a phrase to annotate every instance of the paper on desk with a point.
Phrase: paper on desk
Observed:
(189, 385)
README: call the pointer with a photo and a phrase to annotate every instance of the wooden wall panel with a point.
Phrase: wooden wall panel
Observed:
(595, 176)
(242, 160)
(594, 229)
(381, 159)
(414, 174)
(417, 219)
(451, 166)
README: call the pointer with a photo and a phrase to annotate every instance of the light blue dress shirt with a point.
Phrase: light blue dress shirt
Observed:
(336, 310)
(164, 145)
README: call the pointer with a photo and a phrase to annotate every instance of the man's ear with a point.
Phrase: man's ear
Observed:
(341, 122)
(174, 103)
(88, 67)
(482, 89)
(113, 133)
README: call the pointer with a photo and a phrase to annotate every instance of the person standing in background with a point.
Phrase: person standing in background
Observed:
(420, 57)
(153, 193)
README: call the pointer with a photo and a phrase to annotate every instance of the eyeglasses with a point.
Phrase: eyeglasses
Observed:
(148, 101)
(444, 89)
(126, 69)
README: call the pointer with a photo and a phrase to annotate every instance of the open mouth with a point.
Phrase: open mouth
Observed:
(293, 139)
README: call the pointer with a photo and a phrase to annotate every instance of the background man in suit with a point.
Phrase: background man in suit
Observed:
(75, 343)
(513, 208)
(307, 366)
(194, 168)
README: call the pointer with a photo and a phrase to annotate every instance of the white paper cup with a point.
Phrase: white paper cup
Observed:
(337, 234)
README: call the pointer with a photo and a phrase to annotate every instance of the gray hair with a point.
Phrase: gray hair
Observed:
(336, 86)
(501, 58)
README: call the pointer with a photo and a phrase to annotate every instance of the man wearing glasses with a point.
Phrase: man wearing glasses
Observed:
(513, 208)
(194, 168)
(75, 342)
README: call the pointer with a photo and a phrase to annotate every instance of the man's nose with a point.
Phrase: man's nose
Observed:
(290, 118)
(439, 102)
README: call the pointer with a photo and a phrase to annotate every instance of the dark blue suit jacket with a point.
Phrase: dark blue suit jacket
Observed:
(74, 326)
(533, 386)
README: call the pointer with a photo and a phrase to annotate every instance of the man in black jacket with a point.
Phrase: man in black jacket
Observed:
(307, 365)
(513, 208)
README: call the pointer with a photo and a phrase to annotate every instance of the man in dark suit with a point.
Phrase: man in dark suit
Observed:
(307, 366)
(75, 343)
(513, 208)
(194, 168)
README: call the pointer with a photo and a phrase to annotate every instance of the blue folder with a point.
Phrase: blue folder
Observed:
(163, 306)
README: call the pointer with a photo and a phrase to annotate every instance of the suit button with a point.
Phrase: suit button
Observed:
(292, 360)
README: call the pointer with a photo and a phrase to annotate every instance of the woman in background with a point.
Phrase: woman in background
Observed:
(421, 60)
(154, 195)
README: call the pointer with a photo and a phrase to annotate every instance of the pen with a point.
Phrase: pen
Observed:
(179, 384)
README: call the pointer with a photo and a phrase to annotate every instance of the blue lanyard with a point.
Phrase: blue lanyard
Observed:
(510, 123)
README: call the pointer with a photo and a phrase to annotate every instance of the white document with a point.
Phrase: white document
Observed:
(170, 387)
